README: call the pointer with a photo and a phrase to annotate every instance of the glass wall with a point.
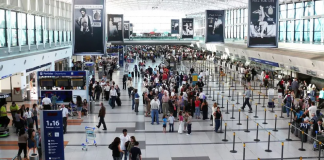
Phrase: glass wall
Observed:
(298, 22)
(21, 29)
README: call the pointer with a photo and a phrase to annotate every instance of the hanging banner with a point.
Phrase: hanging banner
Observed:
(115, 27)
(89, 24)
(175, 26)
(187, 28)
(130, 28)
(263, 21)
(126, 29)
(214, 26)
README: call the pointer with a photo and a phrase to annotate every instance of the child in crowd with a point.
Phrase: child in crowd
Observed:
(164, 123)
(171, 122)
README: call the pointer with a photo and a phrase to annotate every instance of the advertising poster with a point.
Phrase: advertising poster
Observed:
(130, 28)
(187, 28)
(263, 20)
(215, 27)
(115, 27)
(175, 26)
(126, 29)
(89, 33)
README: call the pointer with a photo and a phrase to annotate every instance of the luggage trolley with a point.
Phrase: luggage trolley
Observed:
(90, 135)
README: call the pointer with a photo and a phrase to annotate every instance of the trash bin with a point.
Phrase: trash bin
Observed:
(33, 157)
(92, 105)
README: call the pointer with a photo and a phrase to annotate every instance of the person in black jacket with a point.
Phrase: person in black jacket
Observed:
(98, 90)
(111, 70)
(253, 73)
(124, 81)
(200, 85)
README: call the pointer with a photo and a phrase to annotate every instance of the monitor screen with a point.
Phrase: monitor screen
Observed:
(62, 83)
(77, 82)
(46, 83)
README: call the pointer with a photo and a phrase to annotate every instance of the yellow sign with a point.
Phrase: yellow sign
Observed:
(195, 78)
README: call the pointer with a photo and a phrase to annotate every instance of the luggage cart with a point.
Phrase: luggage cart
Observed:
(90, 135)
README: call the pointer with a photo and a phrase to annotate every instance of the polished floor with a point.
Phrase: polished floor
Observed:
(202, 144)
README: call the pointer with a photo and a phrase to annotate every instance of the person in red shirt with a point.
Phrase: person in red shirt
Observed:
(266, 79)
(197, 108)
(164, 77)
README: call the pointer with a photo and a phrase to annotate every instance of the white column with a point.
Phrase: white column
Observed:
(9, 36)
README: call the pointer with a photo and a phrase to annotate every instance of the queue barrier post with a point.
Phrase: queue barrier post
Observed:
(225, 140)
(289, 139)
(302, 141)
(247, 124)
(272, 111)
(237, 98)
(319, 150)
(226, 107)
(257, 134)
(209, 92)
(223, 88)
(265, 116)
(233, 112)
(275, 129)
(217, 98)
(256, 111)
(239, 123)
(268, 150)
(259, 98)
(229, 92)
(281, 110)
(213, 95)
(264, 97)
(282, 150)
(243, 151)
(233, 150)
(221, 126)
(222, 101)
(232, 95)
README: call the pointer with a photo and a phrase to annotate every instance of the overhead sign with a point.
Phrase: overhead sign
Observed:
(61, 73)
(89, 27)
(264, 62)
(115, 27)
(214, 26)
(263, 23)
(126, 29)
(175, 23)
(52, 135)
(187, 27)
(310, 72)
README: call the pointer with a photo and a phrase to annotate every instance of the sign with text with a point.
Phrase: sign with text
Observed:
(61, 73)
(126, 29)
(52, 135)
(187, 27)
(214, 26)
(263, 23)
(89, 27)
(175, 26)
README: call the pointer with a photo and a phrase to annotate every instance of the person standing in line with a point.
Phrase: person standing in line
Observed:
(204, 108)
(218, 116)
(247, 96)
(180, 129)
(130, 87)
(54, 100)
(22, 142)
(65, 115)
(111, 70)
(136, 100)
(102, 114)
(124, 82)
(13, 110)
(189, 123)
(35, 113)
(165, 103)
(98, 91)
(214, 109)
(113, 95)
(123, 139)
(197, 108)
(171, 122)
(91, 91)
(28, 116)
(46, 103)
(79, 106)
(115, 146)
(295, 86)
(154, 110)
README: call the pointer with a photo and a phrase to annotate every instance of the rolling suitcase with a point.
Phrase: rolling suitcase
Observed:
(118, 101)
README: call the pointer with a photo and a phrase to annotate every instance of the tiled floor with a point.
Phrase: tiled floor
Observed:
(203, 144)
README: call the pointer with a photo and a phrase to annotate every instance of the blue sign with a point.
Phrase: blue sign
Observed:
(89, 64)
(264, 62)
(61, 73)
(113, 54)
(52, 135)
(3, 77)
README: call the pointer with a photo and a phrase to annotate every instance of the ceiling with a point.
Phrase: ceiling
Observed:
(181, 6)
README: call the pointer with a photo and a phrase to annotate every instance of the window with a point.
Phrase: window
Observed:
(56, 38)
(308, 9)
(242, 15)
(319, 7)
(245, 30)
(290, 31)
(51, 36)
(306, 30)
(39, 29)
(31, 29)
(282, 11)
(3, 34)
(282, 31)
(14, 29)
(318, 25)
(45, 29)
(290, 10)
(246, 16)
(299, 10)
(62, 38)
(22, 19)
(298, 29)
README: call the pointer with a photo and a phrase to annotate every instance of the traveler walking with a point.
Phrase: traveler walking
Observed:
(102, 114)
(247, 95)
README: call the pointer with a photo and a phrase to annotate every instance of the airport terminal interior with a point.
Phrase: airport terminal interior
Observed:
(161, 79)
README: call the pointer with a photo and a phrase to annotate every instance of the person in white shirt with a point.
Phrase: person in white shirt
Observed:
(201, 96)
(113, 95)
(171, 122)
(28, 115)
(129, 85)
(46, 103)
(312, 109)
(123, 139)
(65, 114)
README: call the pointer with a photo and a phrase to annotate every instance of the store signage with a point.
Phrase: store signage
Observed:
(6, 76)
(52, 135)
(282, 65)
(5, 95)
(89, 64)
(294, 68)
(263, 23)
(264, 62)
(61, 73)
(310, 72)
(37, 67)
